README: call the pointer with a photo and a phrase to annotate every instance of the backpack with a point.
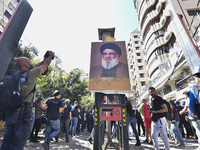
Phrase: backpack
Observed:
(65, 113)
(90, 117)
(74, 112)
(10, 97)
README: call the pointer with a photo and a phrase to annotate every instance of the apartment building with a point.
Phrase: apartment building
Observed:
(7, 7)
(166, 27)
(137, 63)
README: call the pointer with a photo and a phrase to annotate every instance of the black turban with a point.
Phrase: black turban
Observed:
(111, 46)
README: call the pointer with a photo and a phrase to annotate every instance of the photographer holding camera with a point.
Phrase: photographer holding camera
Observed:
(19, 124)
(193, 103)
(159, 124)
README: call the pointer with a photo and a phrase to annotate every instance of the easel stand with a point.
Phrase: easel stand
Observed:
(110, 107)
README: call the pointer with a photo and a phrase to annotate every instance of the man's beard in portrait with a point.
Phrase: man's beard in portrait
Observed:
(109, 65)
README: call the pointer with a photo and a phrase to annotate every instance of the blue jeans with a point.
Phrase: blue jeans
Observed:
(132, 120)
(52, 130)
(196, 125)
(74, 122)
(92, 133)
(176, 132)
(16, 140)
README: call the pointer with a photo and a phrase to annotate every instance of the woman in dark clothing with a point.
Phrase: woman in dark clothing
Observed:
(175, 125)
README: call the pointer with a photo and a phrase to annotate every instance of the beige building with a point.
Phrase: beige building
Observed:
(137, 63)
(7, 7)
(164, 27)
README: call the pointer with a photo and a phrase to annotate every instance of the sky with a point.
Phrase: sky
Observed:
(68, 27)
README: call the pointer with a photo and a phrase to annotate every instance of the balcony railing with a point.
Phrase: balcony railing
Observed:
(152, 16)
(154, 65)
(148, 6)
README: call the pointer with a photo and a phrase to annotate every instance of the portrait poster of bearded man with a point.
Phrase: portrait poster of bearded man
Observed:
(109, 66)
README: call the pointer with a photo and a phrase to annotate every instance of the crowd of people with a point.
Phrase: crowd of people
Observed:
(58, 115)
(61, 117)
(167, 119)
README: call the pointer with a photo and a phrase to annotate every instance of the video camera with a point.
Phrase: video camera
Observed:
(47, 55)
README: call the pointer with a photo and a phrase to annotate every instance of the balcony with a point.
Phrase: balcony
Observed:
(161, 41)
(141, 71)
(152, 48)
(165, 18)
(150, 5)
(158, 26)
(138, 57)
(169, 36)
(150, 34)
(3, 21)
(153, 16)
(153, 66)
(140, 7)
(143, 79)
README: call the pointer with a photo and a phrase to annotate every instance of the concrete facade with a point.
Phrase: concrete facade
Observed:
(166, 27)
(137, 63)
(7, 7)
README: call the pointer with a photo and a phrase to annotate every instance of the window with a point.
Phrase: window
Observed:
(7, 14)
(193, 12)
(139, 60)
(136, 42)
(11, 6)
(167, 89)
(137, 48)
(135, 36)
(131, 66)
(166, 48)
(138, 54)
(141, 75)
(142, 83)
(140, 67)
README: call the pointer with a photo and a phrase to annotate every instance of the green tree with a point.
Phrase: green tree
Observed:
(45, 84)
(87, 101)
(70, 86)
(19, 52)
(75, 88)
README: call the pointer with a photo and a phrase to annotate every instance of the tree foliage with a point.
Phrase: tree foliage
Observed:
(75, 88)
(71, 86)
(87, 101)
(19, 52)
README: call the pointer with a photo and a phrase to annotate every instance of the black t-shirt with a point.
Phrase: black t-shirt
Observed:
(129, 108)
(157, 105)
(53, 108)
(65, 113)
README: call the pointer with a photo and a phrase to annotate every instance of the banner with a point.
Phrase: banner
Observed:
(109, 67)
